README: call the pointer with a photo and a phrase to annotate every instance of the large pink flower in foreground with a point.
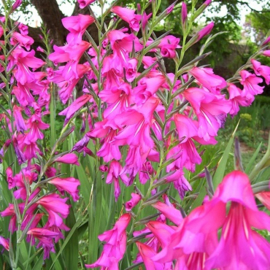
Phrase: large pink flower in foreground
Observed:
(195, 244)
(240, 247)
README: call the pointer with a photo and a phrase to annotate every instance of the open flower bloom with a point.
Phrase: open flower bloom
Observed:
(115, 246)
(195, 244)
(45, 238)
(69, 184)
(129, 16)
(77, 25)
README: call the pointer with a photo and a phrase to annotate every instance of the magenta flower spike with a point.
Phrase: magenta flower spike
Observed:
(129, 16)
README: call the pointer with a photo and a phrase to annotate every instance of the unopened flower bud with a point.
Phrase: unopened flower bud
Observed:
(184, 13)
(205, 31)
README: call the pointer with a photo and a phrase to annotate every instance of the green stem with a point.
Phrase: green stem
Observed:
(259, 166)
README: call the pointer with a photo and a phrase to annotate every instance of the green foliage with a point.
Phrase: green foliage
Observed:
(258, 24)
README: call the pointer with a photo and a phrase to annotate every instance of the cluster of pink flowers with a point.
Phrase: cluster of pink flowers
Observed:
(30, 99)
(132, 104)
(193, 242)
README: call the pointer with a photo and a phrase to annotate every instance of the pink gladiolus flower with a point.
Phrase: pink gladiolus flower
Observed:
(23, 29)
(55, 205)
(24, 41)
(10, 211)
(76, 25)
(119, 100)
(35, 124)
(247, 248)
(74, 107)
(238, 97)
(251, 83)
(135, 198)
(23, 95)
(4, 242)
(210, 109)
(129, 16)
(205, 31)
(131, 70)
(196, 239)
(115, 245)
(137, 126)
(168, 45)
(207, 78)
(45, 238)
(169, 212)
(23, 60)
(108, 150)
(84, 3)
(70, 158)
(69, 53)
(147, 253)
(261, 70)
(122, 44)
(146, 88)
(116, 171)
(70, 185)
(25, 178)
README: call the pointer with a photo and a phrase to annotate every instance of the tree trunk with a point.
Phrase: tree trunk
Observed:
(51, 16)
